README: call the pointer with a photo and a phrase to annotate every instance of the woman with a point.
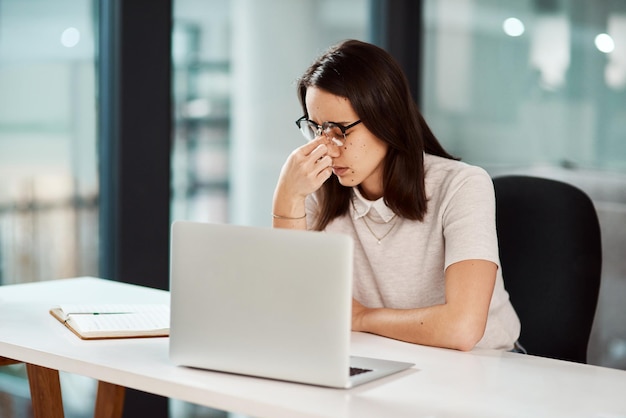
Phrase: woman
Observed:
(426, 254)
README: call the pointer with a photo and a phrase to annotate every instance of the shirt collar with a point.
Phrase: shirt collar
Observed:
(362, 206)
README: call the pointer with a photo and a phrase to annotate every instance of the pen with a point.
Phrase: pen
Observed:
(98, 313)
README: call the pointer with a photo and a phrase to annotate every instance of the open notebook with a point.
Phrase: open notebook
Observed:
(272, 303)
(98, 321)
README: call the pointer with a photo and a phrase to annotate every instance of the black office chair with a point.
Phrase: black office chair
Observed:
(551, 257)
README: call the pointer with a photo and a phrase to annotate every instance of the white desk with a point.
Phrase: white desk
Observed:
(444, 383)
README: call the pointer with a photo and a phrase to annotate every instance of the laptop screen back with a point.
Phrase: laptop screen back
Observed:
(260, 301)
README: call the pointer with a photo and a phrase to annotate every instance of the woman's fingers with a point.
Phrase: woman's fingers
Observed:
(307, 168)
(310, 146)
(319, 152)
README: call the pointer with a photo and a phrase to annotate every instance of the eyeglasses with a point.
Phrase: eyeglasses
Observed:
(332, 130)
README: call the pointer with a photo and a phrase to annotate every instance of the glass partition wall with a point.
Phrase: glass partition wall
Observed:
(539, 87)
(235, 66)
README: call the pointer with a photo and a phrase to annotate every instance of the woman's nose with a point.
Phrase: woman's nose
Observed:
(334, 146)
(329, 137)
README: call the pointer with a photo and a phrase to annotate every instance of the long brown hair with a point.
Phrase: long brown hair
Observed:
(378, 90)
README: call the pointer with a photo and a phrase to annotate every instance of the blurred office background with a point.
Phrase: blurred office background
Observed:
(516, 86)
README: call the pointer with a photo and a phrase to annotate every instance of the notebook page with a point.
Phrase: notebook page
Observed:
(120, 322)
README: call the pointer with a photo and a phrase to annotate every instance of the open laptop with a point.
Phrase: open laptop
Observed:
(266, 302)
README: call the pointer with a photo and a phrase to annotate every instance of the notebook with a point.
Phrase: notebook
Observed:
(266, 302)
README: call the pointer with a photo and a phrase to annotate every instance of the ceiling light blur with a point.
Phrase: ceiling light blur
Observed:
(604, 43)
(513, 27)
(70, 37)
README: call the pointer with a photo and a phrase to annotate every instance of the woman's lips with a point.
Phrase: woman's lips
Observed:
(340, 171)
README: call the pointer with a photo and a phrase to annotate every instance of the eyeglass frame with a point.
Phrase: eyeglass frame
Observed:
(321, 128)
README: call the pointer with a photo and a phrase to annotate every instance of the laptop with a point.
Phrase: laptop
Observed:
(271, 303)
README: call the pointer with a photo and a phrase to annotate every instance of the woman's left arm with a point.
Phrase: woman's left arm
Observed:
(459, 323)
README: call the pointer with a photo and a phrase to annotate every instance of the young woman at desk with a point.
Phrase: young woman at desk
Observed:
(426, 251)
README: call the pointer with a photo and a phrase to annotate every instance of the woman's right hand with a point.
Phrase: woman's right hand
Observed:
(305, 170)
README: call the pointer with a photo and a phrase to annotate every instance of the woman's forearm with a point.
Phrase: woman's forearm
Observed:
(459, 323)
(287, 212)
(436, 325)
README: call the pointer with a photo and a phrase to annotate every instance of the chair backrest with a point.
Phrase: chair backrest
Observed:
(551, 256)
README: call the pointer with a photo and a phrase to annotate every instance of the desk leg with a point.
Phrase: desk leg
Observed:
(45, 392)
(109, 401)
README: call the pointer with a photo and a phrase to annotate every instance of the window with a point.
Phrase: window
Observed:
(48, 180)
(48, 170)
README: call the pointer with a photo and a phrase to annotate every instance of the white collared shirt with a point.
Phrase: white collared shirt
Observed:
(363, 207)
